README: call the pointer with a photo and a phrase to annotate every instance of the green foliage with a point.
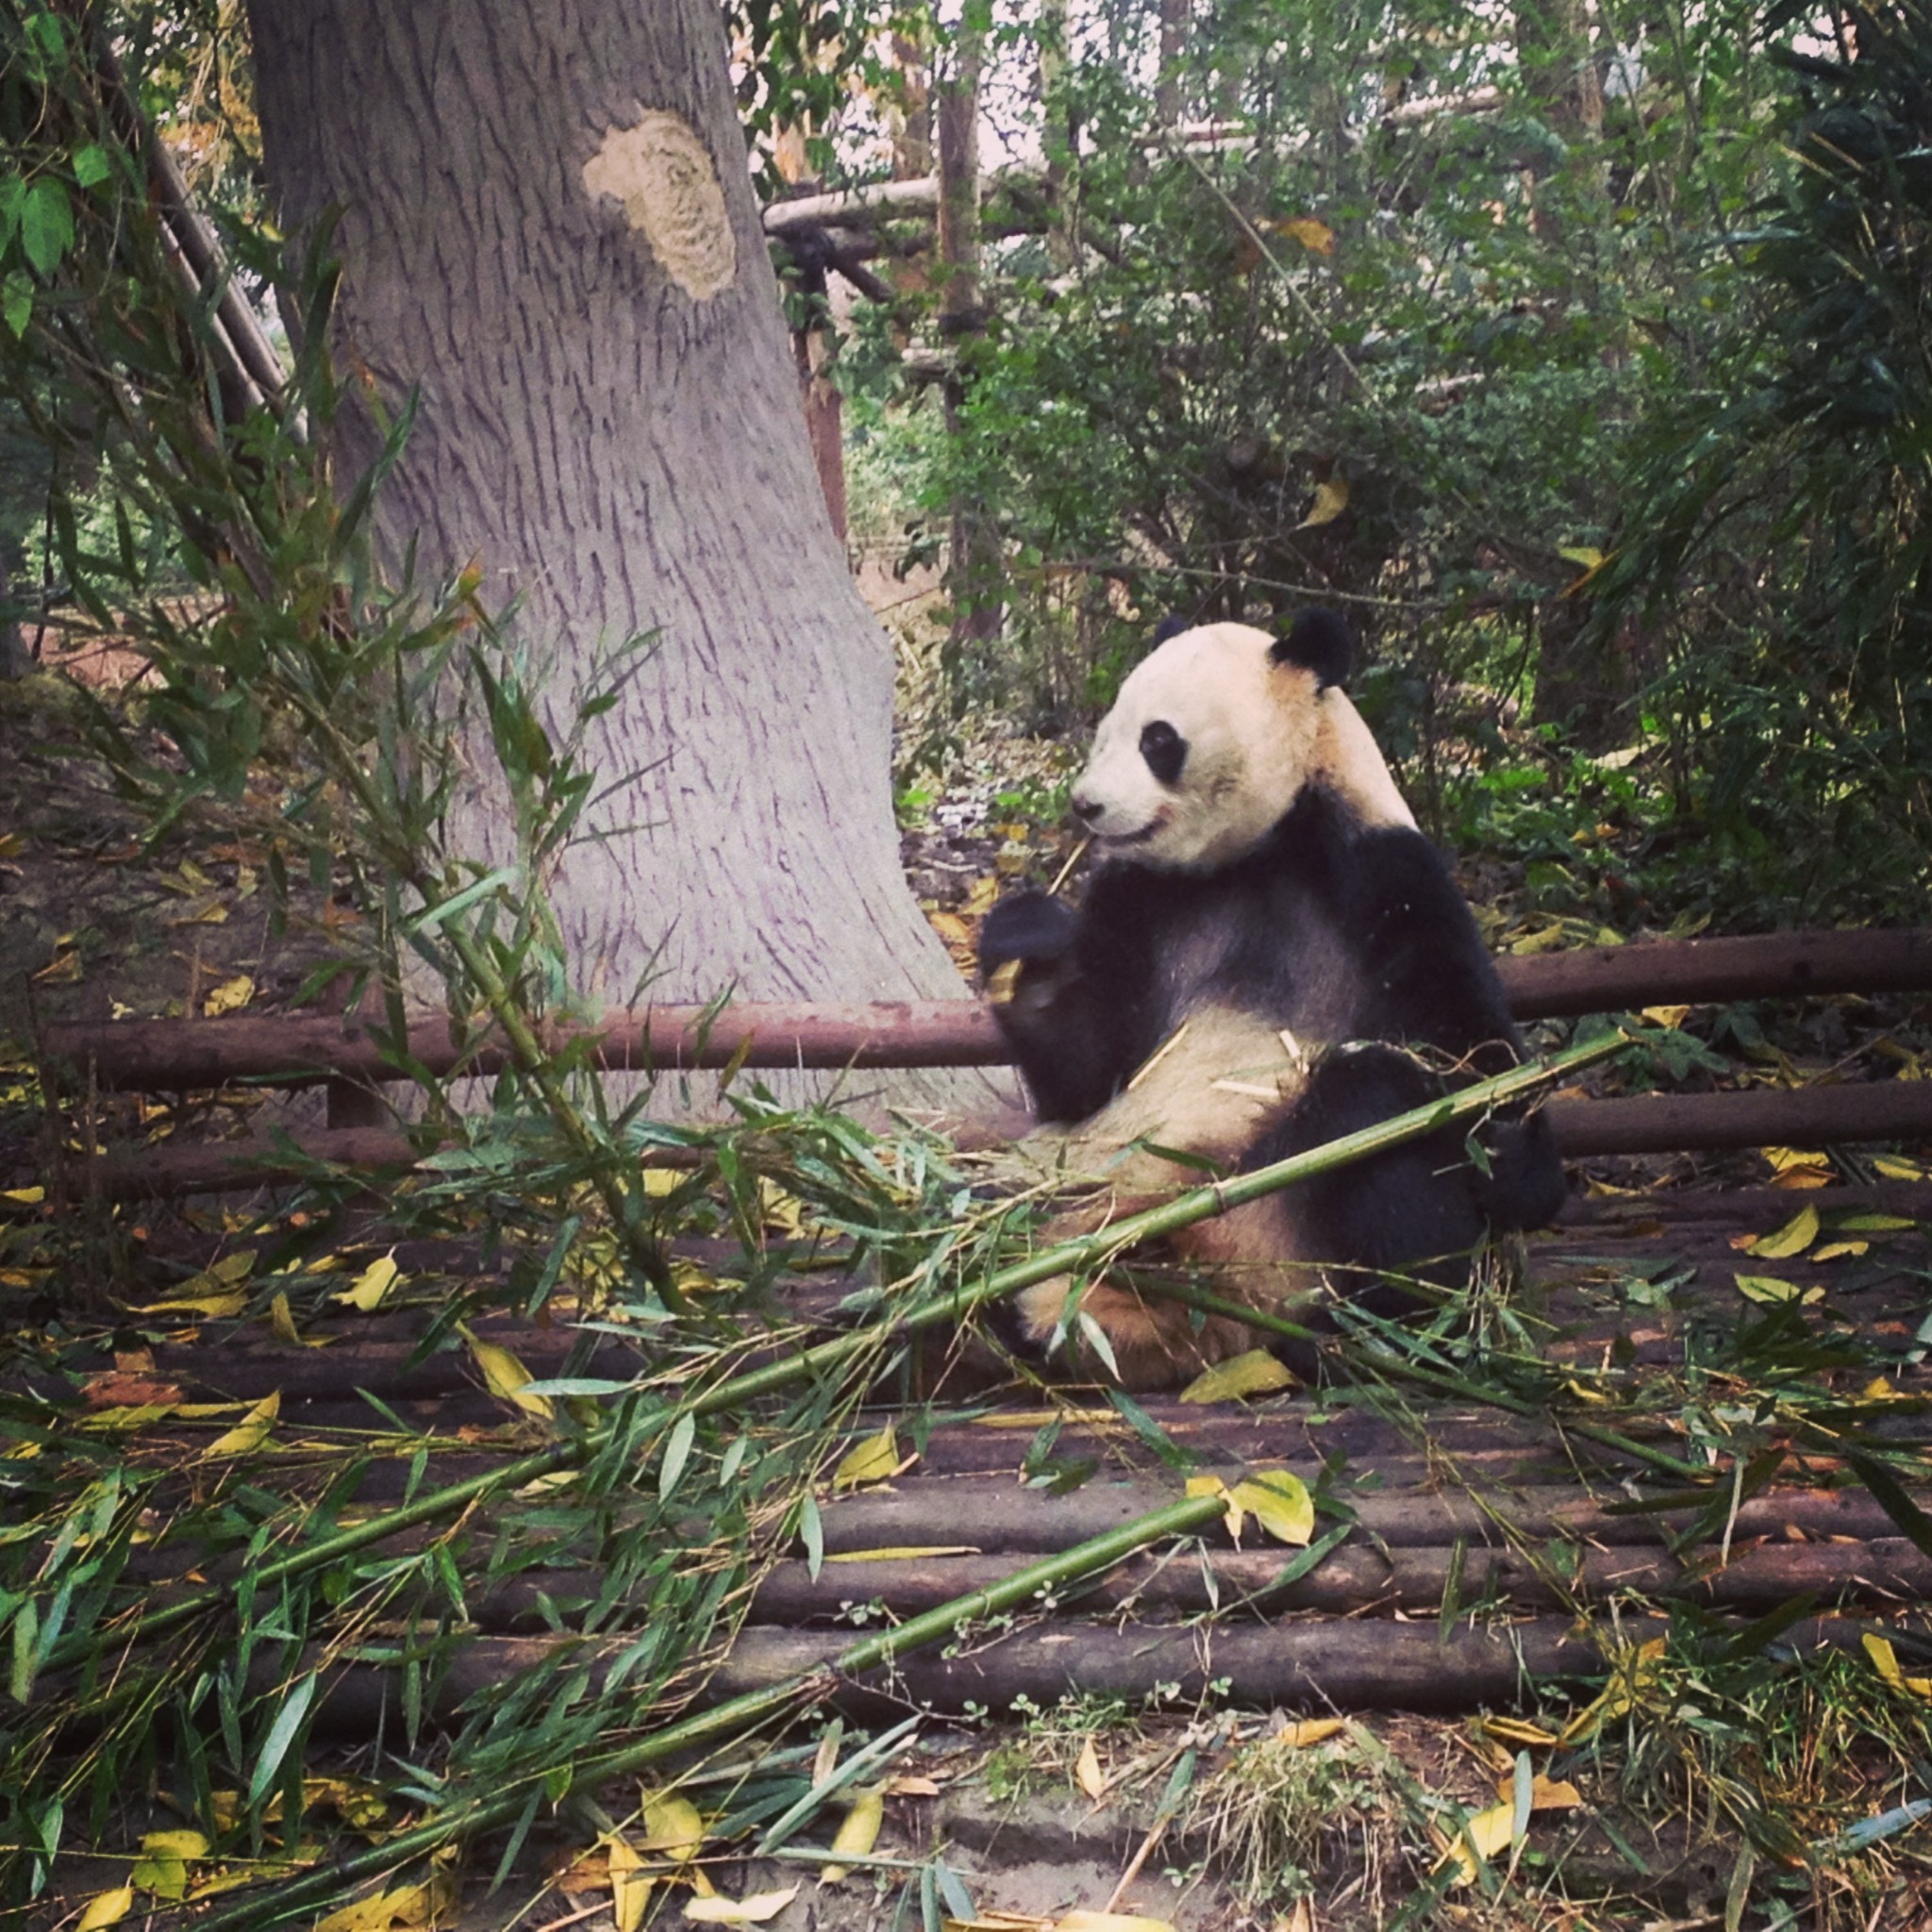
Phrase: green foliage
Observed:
(1779, 537)
(1612, 425)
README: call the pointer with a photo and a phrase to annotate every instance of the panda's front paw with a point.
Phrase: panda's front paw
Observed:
(1028, 927)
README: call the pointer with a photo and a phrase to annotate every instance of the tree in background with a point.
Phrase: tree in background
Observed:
(548, 232)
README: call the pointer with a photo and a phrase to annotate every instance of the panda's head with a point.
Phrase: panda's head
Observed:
(1214, 736)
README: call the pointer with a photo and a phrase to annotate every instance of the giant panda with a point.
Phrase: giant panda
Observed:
(1270, 956)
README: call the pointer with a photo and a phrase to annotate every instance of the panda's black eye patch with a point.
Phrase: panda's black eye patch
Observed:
(1165, 750)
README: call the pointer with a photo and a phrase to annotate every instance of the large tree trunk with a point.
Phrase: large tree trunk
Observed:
(550, 229)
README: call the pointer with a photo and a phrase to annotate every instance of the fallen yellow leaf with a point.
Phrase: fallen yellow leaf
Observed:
(1252, 1374)
(1213, 1485)
(893, 1552)
(1545, 1794)
(858, 1831)
(1311, 1730)
(1768, 1290)
(1280, 1504)
(366, 1292)
(1632, 1674)
(249, 1434)
(1798, 1166)
(1794, 1238)
(1331, 499)
(213, 1305)
(1110, 1922)
(230, 997)
(1885, 1661)
(409, 1905)
(1485, 1835)
(874, 1461)
(503, 1375)
(630, 1889)
(1516, 1730)
(754, 1911)
(1317, 236)
(1087, 1772)
(674, 1830)
(106, 1908)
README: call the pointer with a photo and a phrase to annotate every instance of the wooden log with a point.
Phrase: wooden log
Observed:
(997, 1515)
(153, 1055)
(1777, 965)
(1648, 1124)
(292, 1050)
(1757, 1117)
(1354, 1580)
(1366, 1664)
(1350, 1582)
(1682, 1208)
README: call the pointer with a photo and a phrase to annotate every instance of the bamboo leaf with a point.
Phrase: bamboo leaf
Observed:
(249, 1434)
(1280, 1502)
(811, 1532)
(1087, 1772)
(677, 1453)
(281, 1734)
(1257, 1373)
(754, 1911)
(106, 1909)
(858, 1831)
(1890, 1496)
(1794, 1238)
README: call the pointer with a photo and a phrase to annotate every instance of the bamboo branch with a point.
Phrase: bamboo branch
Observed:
(735, 1391)
(741, 1713)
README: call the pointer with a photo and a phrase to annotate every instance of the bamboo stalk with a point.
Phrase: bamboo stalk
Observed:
(740, 1713)
(734, 1391)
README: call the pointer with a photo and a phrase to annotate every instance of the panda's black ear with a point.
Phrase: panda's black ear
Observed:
(1320, 642)
(1168, 627)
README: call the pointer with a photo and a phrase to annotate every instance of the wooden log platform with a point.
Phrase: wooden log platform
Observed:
(1472, 1540)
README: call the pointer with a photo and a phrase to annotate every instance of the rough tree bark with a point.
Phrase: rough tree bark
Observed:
(549, 228)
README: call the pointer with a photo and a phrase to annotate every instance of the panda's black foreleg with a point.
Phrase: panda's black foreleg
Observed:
(1073, 1049)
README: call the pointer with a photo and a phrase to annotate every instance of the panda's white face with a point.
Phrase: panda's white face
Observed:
(1209, 745)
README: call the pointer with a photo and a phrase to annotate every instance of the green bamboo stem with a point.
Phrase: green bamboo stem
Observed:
(1494, 1397)
(740, 1713)
(1194, 1205)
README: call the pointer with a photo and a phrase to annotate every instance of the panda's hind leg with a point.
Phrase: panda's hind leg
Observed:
(1412, 1211)
(1154, 1343)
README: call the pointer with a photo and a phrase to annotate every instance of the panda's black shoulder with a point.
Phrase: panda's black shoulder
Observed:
(1428, 975)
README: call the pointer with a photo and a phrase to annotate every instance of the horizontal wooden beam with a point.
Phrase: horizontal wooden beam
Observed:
(1649, 1123)
(163, 1056)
